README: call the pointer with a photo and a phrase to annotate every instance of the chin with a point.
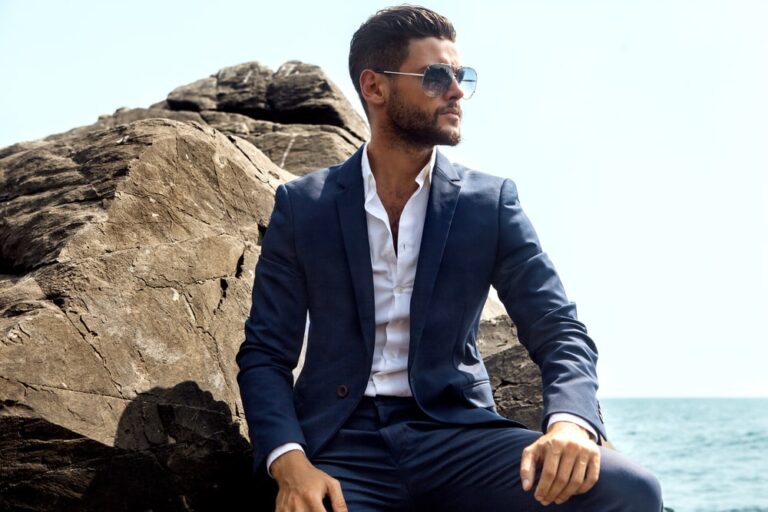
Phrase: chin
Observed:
(451, 137)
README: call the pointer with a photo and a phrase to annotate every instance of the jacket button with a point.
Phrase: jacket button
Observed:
(342, 391)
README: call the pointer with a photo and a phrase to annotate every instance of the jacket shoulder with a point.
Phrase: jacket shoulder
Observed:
(312, 186)
(476, 182)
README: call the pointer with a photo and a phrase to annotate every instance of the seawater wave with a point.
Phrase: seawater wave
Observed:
(710, 454)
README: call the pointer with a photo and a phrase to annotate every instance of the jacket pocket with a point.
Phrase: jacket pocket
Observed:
(479, 394)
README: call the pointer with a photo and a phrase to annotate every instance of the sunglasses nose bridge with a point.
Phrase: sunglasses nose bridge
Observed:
(454, 85)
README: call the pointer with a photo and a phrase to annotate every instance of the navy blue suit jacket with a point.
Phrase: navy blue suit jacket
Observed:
(315, 258)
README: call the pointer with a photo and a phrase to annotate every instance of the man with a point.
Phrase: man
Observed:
(392, 254)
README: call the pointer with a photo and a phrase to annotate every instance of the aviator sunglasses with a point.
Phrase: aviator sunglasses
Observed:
(437, 78)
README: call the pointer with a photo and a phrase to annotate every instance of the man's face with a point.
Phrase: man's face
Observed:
(417, 118)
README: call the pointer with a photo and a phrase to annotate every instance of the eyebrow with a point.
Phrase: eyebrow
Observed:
(454, 68)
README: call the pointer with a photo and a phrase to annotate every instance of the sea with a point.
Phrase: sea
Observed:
(710, 454)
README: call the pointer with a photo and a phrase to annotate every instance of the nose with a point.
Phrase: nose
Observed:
(454, 92)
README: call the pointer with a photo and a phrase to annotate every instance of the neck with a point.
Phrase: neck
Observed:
(395, 163)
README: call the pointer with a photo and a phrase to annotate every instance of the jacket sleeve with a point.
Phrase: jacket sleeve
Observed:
(274, 332)
(546, 321)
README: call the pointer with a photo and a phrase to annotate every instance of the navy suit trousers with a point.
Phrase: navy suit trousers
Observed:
(389, 456)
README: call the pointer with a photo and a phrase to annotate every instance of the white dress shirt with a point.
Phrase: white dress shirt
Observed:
(393, 277)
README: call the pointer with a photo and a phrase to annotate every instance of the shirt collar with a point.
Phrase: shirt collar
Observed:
(369, 181)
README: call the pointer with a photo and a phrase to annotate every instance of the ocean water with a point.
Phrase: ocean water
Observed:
(710, 454)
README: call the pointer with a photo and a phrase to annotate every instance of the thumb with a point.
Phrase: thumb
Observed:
(528, 466)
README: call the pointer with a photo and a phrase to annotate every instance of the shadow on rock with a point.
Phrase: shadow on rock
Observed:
(176, 449)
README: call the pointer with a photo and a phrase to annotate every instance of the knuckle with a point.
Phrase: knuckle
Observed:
(574, 486)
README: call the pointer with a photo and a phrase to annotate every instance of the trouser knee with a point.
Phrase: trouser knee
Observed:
(627, 483)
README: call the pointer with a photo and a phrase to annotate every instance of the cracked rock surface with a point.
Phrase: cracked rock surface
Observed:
(127, 250)
(515, 379)
(296, 115)
(127, 261)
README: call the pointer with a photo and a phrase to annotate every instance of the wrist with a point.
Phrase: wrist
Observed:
(283, 466)
(572, 418)
(573, 427)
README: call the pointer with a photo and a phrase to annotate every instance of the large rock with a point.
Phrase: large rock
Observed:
(297, 116)
(127, 257)
(515, 378)
(302, 93)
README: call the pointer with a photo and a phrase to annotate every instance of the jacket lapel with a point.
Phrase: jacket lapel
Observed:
(354, 229)
(443, 196)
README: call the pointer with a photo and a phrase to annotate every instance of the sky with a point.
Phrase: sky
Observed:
(635, 131)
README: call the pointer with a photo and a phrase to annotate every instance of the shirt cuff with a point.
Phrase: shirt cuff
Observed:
(571, 418)
(280, 450)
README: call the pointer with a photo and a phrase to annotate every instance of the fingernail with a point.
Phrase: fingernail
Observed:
(526, 483)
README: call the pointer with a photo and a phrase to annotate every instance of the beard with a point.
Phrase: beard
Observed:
(418, 128)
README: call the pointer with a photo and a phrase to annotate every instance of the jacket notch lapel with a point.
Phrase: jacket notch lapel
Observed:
(354, 229)
(443, 197)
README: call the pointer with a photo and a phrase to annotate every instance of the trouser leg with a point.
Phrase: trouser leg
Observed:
(390, 457)
(478, 468)
(361, 461)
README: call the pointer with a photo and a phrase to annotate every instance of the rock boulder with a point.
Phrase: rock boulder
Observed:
(127, 259)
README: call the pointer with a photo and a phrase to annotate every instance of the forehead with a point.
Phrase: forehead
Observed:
(430, 50)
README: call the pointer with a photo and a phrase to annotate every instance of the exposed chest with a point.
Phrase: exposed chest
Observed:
(394, 204)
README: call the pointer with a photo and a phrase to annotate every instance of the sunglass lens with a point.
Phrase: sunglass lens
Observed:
(437, 79)
(467, 78)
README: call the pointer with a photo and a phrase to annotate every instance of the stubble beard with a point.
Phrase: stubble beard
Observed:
(417, 128)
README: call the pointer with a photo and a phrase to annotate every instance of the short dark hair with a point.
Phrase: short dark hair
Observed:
(382, 41)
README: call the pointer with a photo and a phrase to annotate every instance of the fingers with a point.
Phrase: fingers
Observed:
(315, 506)
(549, 472)
(528, 466)
(337, 498)
(593, 474)
(306, 491)
(570, 465)
(578, 473)
(563, 477)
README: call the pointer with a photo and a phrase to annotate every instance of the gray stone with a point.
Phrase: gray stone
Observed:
(296, 116)
(515, 378)
(302, 93)
(199, 95)
(243, 88)
(127, 259)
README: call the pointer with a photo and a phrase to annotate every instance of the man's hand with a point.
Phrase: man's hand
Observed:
(303, 486)
(569, 460)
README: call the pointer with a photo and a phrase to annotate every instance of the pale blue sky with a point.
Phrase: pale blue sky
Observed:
(635, 130)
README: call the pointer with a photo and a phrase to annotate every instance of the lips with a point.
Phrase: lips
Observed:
(454, 111)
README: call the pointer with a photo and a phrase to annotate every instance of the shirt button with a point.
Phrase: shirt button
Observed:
(398, 289)
(342, 391)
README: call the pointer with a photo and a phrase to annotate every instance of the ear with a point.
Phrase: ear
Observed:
(374, 87)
